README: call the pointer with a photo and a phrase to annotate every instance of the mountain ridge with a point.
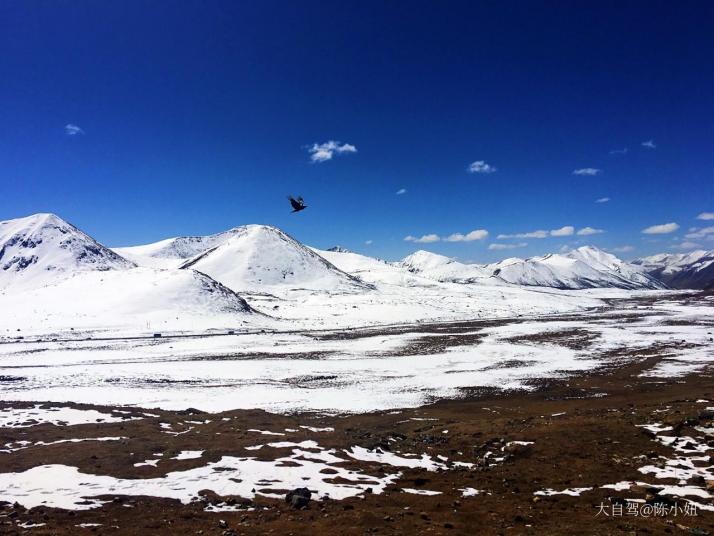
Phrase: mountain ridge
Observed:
(693, 270)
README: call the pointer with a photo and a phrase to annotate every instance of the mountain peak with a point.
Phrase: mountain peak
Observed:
(260, 256)
(40, 247)
(339, 249)
(421, 257)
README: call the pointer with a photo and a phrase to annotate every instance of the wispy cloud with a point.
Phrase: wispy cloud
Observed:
(499, 247)
(602, 200)
(623, 249)
(568, 230)
(687, 245)
(662, 228)
(532, 234)
(72, 130)
(480, 166)
(401, 191)
(322, 152)
(587, 171)
(587, 231)
(619, 151)
(478, 234)
(706, 233)
(369, 242)
(649, 144)
(706, 216)
(425, 239)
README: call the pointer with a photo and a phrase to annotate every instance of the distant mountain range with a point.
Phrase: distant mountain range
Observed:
(693, 270)
(585, 267)
(190, 281)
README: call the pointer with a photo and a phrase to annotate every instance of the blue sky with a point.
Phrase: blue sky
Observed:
(193, 117)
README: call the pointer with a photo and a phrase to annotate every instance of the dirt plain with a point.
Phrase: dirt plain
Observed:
(585, 432)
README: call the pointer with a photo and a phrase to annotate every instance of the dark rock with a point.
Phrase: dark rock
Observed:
(698, 480)
(298, 498)
(706, 415)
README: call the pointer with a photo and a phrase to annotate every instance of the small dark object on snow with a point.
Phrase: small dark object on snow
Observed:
(298, 498)
(297, 204)
(157, 335)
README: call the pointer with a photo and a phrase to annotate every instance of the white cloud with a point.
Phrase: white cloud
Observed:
(589, 171)
(706, 233)
(650, 144)
(479, 166)
(563, 231)
(368, 242)
(619, 151)
(478, 234)
(322, 152)
(499, 247)
(425, 239)
(72, 130)
(602, 200)
(687, 245)
(623, 249)
(532, 234)
(706, 216)
(663, 228)
(587, 231)
(401, 191)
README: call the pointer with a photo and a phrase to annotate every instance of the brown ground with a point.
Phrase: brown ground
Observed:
(594, 442)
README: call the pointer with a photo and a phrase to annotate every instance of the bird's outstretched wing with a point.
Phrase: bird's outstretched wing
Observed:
(294, 202)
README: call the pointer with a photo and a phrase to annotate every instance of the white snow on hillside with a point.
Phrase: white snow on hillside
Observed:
(41, 249)
(56, 279)
(59, 279)
(609, 263)
(694, 270)
(586, 267)
(371, 270)
(140, 300)
(673, 263)
(173, 252)
(444, 269)
(261, 258)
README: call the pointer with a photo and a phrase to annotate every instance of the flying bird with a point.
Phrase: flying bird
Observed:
(297, 204)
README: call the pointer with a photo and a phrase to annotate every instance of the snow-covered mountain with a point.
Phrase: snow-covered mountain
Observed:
(54, 277)
(40, 249)
(260, 257)
(585, 267)
(445, 269)
(371, 270)
(135, 301)
(693, 270)
(173, 252)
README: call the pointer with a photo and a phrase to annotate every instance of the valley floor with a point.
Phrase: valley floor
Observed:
(587, 423)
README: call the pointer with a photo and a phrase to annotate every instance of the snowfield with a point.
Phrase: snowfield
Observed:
(328, 372)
